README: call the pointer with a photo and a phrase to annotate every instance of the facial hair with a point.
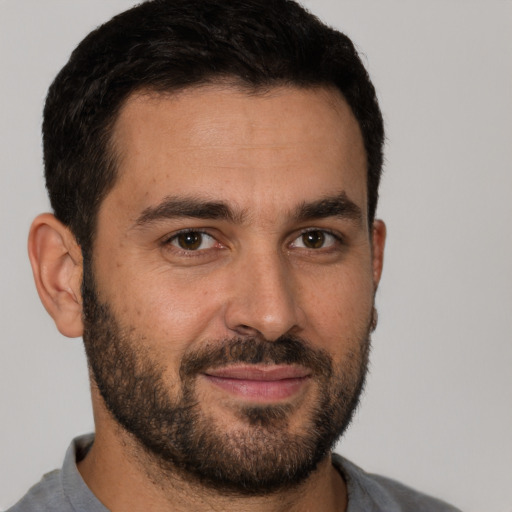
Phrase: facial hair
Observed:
(257, 458)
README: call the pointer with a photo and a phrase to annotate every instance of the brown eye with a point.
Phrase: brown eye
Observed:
(189, 241)
(313, 239)
(193, 241)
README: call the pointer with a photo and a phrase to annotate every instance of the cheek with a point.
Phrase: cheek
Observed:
(339, 310)
(165, 307)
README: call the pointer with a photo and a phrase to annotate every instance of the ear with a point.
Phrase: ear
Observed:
(56, 260)
(378, 243)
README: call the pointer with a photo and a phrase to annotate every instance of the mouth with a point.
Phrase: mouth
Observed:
(257, 383)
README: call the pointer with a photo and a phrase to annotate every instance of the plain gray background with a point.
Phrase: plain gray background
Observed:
(437, 413)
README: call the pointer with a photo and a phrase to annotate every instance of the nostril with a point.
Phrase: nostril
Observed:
(246, 330)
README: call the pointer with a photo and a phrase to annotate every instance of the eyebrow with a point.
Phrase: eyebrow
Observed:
(331, 206)
(175, 207)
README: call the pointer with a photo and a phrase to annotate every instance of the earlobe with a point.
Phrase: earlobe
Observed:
(378, 243)
(56, 261)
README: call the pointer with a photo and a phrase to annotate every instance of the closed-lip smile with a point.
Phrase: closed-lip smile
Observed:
(260, 383)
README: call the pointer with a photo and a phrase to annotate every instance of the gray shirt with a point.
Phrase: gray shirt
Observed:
(64, 490)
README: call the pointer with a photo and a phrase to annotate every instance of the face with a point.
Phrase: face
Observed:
(228, 305)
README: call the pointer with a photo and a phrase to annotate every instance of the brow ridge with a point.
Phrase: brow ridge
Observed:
(175, 207)
(330, 206)
(170, 207)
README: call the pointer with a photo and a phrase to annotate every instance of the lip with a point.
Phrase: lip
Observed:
(260, 383)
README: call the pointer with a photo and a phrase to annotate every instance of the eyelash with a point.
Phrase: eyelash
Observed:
(337, 237)
(167, 241)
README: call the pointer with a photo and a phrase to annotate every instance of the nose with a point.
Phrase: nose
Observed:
(264, 300)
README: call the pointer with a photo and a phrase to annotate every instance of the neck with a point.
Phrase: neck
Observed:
(121, 476)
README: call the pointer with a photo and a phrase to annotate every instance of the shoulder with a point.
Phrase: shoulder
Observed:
(47, 495)
(62, 490)
(374, 493)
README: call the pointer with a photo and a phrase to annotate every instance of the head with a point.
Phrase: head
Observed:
(255, 44)
(214, 180)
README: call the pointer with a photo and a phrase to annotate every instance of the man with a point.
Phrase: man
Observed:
(213, 169)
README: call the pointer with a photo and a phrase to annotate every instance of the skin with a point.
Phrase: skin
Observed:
(263, 155)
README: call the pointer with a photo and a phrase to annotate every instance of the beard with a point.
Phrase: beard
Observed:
(261, 454)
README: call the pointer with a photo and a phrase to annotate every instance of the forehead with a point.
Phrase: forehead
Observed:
(230, 144)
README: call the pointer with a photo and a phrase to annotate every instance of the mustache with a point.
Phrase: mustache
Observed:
(291, 350)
